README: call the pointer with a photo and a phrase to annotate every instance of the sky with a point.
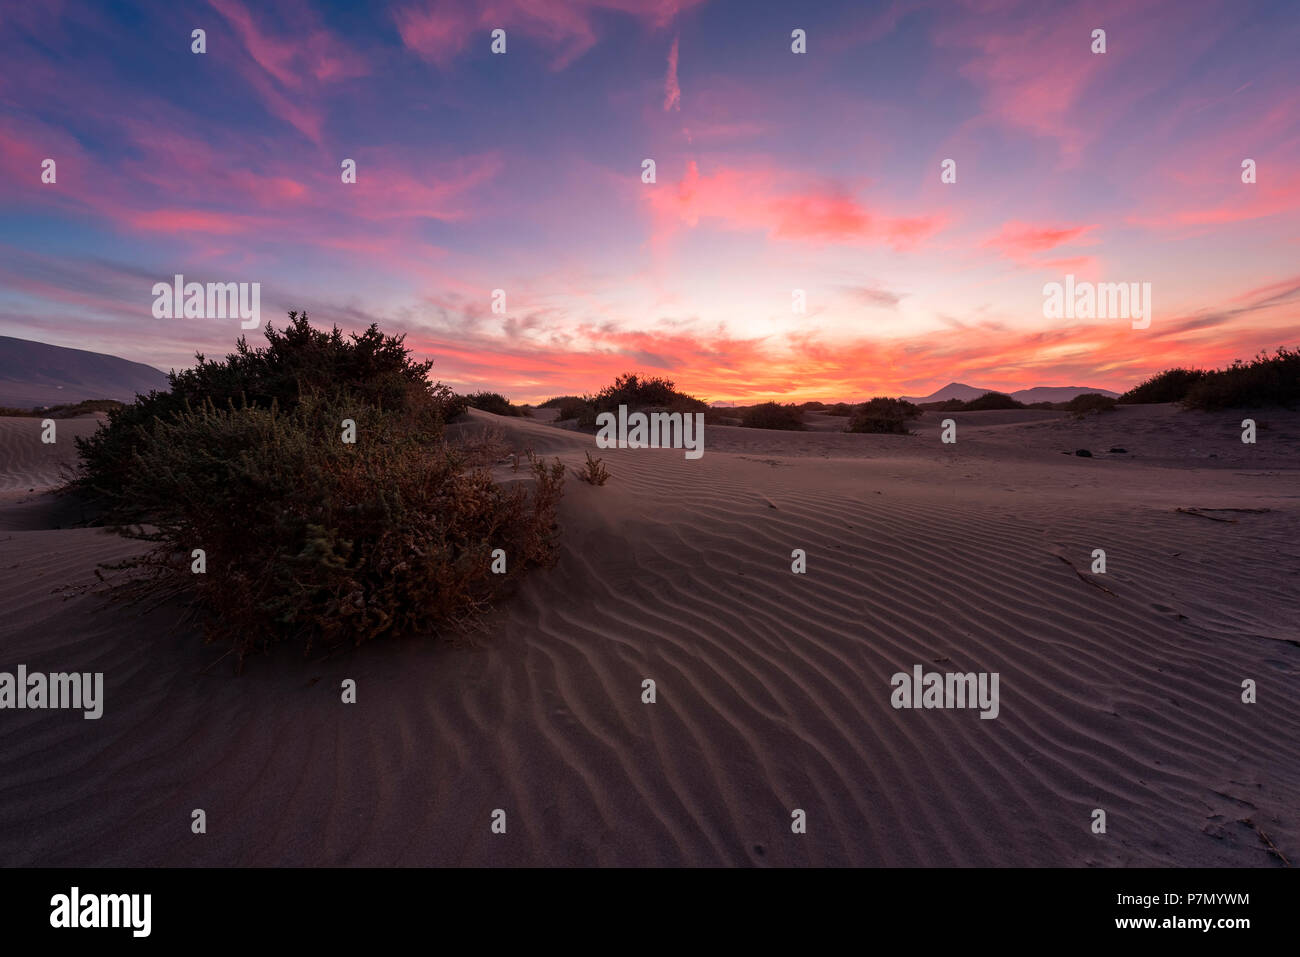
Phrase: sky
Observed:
(775, 171)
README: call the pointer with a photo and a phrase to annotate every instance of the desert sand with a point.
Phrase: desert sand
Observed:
(1119, 691)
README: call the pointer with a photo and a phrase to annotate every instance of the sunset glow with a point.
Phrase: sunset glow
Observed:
(775, 172)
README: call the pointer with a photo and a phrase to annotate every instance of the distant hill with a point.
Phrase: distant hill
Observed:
(36, 374)
(953, 390)
(1041, 393)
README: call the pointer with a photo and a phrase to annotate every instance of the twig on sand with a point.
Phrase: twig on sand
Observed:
(1272, 848)
(1214, 518)
(1083, 577)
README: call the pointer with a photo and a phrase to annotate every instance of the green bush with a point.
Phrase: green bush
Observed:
(773, 415)
(322, 543)
(883, 415)
(373, 368)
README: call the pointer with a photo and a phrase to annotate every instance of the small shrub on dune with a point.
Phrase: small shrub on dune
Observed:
(1090, 402)
(773, 415)
(315, 532)
(814, 406)
(594, 472)
(884, 416)
(325, 544)
(1168, 386)
(840, 408)
(1264, 380)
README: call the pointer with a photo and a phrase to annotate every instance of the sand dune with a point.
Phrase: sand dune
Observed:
(773, 688)
(29, 464)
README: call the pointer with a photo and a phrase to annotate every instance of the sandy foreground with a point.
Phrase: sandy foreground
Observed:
(773, 688)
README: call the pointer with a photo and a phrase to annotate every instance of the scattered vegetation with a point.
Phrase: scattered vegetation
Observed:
(1264, 380)
(773, 415)
(594, 472)
(307, 538)
(883, 415)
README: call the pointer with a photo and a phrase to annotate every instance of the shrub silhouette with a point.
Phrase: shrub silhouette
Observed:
(883, 415)
(1087, 402)
(989, 401)
(1168, 386)
(1264, 380)
(650, 392)
(773, 415)
(495, 403)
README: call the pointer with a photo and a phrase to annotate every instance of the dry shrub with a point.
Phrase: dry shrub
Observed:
(325, 544)
(594, 472)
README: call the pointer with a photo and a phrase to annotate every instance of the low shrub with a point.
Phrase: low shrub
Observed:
(773, 415)
(1089, 402)
(883, 415)
(322, 543)
(594, 472)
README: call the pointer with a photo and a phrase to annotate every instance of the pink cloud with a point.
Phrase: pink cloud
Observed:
(440, 32)
(1023, 241)
(672, 89)
(777, 203)
(290, 69)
